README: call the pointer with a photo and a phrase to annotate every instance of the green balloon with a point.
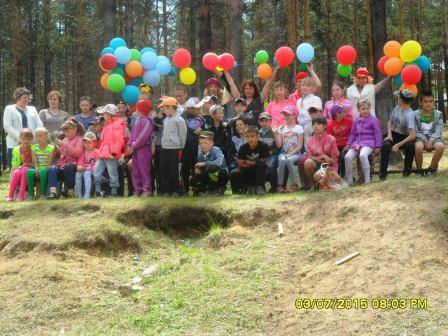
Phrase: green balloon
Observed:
(261, 57)
(118, 71)
(135, 55)
(303, 67)
(116, 83)
(344, 70)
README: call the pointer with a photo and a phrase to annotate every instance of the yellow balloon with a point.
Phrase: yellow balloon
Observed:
(187, 76)
(219, 69)
(410, 51)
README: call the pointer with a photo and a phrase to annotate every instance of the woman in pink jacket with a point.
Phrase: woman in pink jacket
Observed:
(110, 149)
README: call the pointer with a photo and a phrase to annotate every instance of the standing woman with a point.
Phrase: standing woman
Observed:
(53, 117)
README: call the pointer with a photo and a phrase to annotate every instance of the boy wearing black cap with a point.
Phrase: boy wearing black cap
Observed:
(96, 126)
(210, 173)
(267, 136)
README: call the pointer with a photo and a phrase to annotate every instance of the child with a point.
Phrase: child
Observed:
(429, 129)
(365, 137)
(267, 135)
(218, 128)
(181, 95)
(210, 173)
(289, 138)
(252, 159)
(307, 100)
(96, 126)
(123, 113)
(21, 161)
(110, 148)
(315, 110)
(86, 163)
(86, 116)
(238, 139)
(337, 98)
(195, 125)
(400, 134)
(157, 140)
(239, 106)
(43, 155)
(276, 107)
(321, 148)
(340, 126)
(70, 150)
(173, 140)
(296, 95)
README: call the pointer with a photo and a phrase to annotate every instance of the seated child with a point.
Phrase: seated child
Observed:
(84, 169)
(210, 173)
(429, 129)
(321, 148)
(289, 138)
(43, 155)
(267, 135)
(22, 160)
(314, 111)
(252, 159)
(238, 139)
(365, 137)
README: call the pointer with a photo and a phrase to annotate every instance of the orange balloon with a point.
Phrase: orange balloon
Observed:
(264, 71)
(134, 69)
(104, 80)
(392, 49)
(393, 66)
(411, 87)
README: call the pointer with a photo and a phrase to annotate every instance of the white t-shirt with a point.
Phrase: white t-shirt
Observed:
(367, 92)
(290, 137)
(303, 105)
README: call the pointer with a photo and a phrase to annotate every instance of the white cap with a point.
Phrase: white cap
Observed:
(194, 102)
(109, 108)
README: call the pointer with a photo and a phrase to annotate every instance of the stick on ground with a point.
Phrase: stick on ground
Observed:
(347, 258)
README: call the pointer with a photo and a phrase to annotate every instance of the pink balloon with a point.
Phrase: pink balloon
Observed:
(226, 61)
(182, 58)
(210, 61)
(284, 56)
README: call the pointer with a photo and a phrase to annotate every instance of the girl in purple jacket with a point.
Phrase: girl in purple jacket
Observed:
(139, 146)
(365, 138)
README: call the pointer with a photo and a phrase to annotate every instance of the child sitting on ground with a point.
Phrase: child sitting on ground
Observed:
(238, 139)
(86, 162)
(210, 174)
(267, 135)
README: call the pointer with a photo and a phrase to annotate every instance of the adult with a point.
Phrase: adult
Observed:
(18, 116)
(363, 88)
(53, 117)
(296, 95)
(86, 116)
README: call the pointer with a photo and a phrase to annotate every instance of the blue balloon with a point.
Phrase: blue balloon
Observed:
(423, 63)
(305, 52)
(235, 64)
(398, 81)
(151, 77)
(122, 66)
(163, 67)
(130, 94)
(137, 81)
(123, 55)
(172, 72)
(162, 58)
(144, 50)
(274, 61)
(149, 60)
(117, 42)
(107, 50)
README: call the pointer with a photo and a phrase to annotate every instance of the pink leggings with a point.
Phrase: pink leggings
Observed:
(18, 179)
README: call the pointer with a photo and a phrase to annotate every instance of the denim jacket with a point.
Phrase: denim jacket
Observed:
(213, 159)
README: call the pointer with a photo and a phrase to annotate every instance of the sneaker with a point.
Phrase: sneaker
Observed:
(52, 196)
(407, 173)
(260, 191)
(99, 194)
(147, 194)
(9, 199)
(221, 191)
(280, 189)
(293, 188)
(383, 178)
(419, 172)
(430, 172)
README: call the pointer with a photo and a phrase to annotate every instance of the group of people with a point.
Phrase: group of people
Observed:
(185, 145)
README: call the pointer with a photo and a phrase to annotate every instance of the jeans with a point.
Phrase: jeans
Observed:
(386, 148)
(288, 163)
(66, 174)
(87, 175)
(271, 174)
(112, 168)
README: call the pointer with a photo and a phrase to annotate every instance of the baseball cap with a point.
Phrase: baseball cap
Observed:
(97, 120)
(265, 115)
(109, 108)
(89, 136)
(207, 135)
(362, 72)
(289, 109)
(194, 102)
(144, 106)
(215, 108)
(168, 101)
(316, 106)
(240, 101)
(212, 81)
(406, 93)
(301, 75)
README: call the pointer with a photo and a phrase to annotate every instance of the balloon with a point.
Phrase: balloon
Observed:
(115, 83)
(410, 51)
(392, 49)
(344, 70)
(210, 61)
(226, 61)
(162, 58)
(346, 55)
(148, 49)
(123, 55)
(117, 42)
(274, 61)
(393, 66)
(261, 57)
(108, 62)
(149, 60)
(130, 94)
(264, 71)
(172, 72)
(103, 81)
(182, 58)
(398, 81)
(107, 50)
(303, 67)
(411, 74)
(135, 55)
(305, 52)
(163, 67)
(151, 77)
(134, 69)
(118, 71)
(424, 63)
(381, 63)
(137, 81)
(284, 56)
(187, 76)
(411, 87)
(235, 64)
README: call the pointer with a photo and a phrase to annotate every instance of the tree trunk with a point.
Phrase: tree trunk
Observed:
(17, 46)
(47, 50)
(129, 15)
(236, 38)
(445, 48)
(440, 92)
(32, 48)
(411, 20)
(165, 39)
(400, 19)
(205, 35)
(80, 47)
(356, 5)
(329, 48)
(108, 11)
(192, 39)
(306, 20)
(370, 55)
(292, 30)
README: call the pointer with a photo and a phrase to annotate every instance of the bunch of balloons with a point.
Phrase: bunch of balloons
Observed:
(182, 59)
(213, 62)
(405, 62)
(264, 70)
(125, 69)
(346, 56)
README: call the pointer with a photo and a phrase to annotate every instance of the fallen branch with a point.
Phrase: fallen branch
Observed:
(347, 258)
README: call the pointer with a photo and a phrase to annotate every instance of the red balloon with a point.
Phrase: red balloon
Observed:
(381, 63)
(210, 61)
(284, 56)
(182, 58)
(346, 55)
(108, 62)
(411, 74)
(226, 61)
